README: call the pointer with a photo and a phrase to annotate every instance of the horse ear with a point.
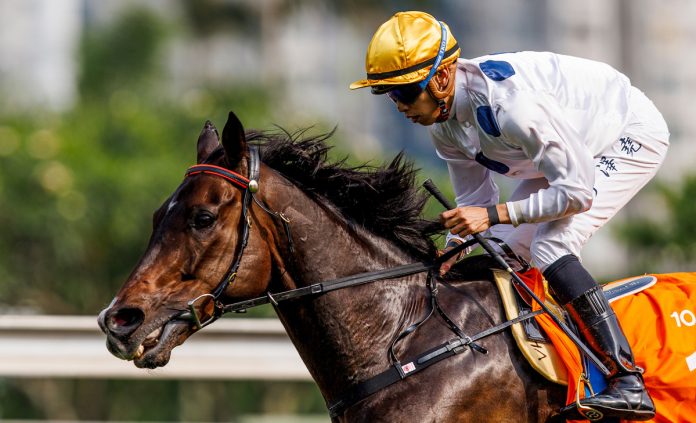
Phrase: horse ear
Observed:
(208, 141)
(234, 140)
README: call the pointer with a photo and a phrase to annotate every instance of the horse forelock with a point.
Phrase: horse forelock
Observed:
(382, 199)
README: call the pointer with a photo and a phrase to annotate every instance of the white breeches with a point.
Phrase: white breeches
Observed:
(621, 171)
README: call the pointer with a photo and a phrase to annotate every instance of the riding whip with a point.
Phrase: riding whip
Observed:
(430, 186)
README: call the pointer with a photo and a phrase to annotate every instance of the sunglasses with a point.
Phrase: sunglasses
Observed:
(406, 94)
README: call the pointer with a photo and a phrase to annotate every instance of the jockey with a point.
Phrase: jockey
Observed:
(580, 139)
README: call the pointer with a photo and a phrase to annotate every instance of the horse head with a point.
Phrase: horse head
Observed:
(197, 233)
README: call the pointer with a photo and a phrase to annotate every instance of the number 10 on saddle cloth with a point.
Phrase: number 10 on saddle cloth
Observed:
(660, 324)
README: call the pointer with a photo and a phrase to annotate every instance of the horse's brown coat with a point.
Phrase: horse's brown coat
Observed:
(342, 336)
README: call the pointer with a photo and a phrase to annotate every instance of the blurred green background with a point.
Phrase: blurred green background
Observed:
(101, 103)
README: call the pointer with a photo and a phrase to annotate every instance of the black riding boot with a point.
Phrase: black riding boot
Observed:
(625, 395)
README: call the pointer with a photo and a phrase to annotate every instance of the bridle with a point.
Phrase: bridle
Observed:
(250, 185)
(396, 371)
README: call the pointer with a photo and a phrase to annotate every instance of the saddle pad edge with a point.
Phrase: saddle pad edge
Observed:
(542, 357)
(622, 288)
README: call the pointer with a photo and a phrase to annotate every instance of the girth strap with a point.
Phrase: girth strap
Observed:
(400, 371)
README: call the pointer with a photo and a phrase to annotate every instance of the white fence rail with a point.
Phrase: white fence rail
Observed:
(73, 346)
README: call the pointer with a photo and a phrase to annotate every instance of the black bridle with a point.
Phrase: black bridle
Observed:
(250, 185)
(396, 371)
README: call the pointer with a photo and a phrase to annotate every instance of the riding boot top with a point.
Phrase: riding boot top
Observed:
(625, 395)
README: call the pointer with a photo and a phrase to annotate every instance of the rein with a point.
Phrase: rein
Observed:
(250, 185)
(396, 371)
(346, 282)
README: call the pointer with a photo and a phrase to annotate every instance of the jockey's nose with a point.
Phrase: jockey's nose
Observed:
(121, 323)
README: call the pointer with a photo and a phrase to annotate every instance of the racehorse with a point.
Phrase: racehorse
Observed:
(236, 229)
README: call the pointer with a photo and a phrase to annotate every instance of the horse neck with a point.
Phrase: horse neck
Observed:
(342, 336)
(326, 245)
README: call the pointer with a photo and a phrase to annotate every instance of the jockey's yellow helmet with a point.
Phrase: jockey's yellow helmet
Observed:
(404, 49)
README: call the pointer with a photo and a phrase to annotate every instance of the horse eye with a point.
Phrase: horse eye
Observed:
(203, 219)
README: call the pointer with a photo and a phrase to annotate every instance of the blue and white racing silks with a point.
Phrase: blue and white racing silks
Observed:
(581, 140)
(531, 115)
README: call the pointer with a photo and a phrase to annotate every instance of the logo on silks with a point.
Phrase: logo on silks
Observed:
(491, 164)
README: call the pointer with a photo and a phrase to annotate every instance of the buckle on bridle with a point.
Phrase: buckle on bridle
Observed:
(195, 317)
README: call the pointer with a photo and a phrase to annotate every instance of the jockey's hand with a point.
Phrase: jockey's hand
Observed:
(447, 265)
(465, 221)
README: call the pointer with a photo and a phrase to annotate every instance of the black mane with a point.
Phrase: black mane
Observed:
(384, 200)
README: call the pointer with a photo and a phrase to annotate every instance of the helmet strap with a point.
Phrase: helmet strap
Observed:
(444, 111)
(442, 105)
(440, 95)
(436, 91)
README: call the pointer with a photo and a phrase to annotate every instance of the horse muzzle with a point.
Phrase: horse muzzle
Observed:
(118, 331)
(147, 344)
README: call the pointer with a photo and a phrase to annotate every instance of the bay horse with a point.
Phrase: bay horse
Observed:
(311, 220)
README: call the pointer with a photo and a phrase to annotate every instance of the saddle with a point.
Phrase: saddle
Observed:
(659, 325)
(535, 343)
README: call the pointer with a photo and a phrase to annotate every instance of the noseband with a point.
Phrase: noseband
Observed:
(250, 186)
(396, 371)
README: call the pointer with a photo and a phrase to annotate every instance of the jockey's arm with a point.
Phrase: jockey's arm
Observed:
(535, 123)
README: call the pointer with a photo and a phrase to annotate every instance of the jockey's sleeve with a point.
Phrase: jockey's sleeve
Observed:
(535, 123)
(472, 183)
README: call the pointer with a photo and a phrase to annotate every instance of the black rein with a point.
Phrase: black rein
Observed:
(397, 371)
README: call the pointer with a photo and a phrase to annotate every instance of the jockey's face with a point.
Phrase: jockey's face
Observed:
(424, 109)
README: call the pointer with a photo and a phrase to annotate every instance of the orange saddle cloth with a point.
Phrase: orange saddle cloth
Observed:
(660, 324)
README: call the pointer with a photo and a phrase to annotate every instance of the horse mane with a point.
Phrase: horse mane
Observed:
(382, 199)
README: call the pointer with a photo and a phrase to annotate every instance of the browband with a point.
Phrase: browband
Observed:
(234, 177)
(241, 181)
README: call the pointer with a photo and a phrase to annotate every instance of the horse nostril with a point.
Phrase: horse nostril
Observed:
(125, 321)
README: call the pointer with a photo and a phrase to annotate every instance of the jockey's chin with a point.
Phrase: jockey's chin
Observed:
(423, 113)
(424, 120)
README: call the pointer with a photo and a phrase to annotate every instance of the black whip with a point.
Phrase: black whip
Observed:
(430, 186)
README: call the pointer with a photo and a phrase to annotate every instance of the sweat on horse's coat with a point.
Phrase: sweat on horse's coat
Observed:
(345, 220)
